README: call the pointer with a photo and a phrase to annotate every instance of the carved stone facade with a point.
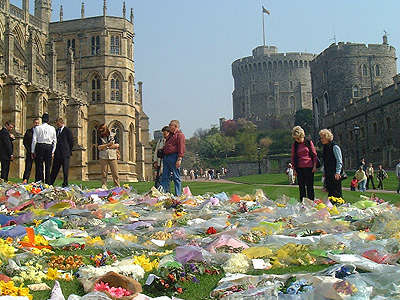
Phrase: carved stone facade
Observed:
(81, 70)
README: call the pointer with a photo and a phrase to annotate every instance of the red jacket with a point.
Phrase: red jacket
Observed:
(175, 143)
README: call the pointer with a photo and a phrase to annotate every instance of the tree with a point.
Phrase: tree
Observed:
(303, 118)
(230, 127)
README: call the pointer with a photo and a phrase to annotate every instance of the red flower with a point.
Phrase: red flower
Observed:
(166, 285)
(179, 290)
(171, 276)
(211, 230)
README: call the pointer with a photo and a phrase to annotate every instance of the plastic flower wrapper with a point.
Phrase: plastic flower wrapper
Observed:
(237, 263)
(292, 254)
(257, 252)
(292, 286)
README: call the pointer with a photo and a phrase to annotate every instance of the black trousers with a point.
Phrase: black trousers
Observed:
(380, 185)
(57, 163)
(43, 154)
(370, 178)
(305, 179)
(5, 169)
(333, 186)
(28, 166)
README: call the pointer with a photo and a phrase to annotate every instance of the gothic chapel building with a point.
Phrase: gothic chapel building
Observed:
(82, 70)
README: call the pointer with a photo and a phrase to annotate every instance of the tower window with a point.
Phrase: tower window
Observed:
(71, 44)
(291, 85)
(356, 92)
(115, 44)
(377, 70)
(364, 70)
(96, 85)
(95, 152)
(116, 88)
(95, 45)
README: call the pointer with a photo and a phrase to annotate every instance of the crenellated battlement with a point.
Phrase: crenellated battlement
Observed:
(342, 49)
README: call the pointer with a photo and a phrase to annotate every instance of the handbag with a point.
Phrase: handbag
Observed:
(318, 163)
(160, 153)
(343, 175)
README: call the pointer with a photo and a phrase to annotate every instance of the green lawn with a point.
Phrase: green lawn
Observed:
(273, 192)
(390, 183)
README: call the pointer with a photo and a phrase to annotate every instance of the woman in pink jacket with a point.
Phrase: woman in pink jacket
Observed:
(304, 160)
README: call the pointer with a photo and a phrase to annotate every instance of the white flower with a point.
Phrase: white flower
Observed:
(237, 263)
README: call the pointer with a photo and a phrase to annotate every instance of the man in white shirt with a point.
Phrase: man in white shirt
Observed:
(44, 143)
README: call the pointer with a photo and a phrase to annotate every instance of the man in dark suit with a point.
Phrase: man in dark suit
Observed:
(28, 146)
(6, 149)
(63, 152)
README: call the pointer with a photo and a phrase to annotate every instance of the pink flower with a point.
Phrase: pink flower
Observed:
(101, 286)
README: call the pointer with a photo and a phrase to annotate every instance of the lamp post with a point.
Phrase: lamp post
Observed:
(356, 131)
(259, 159)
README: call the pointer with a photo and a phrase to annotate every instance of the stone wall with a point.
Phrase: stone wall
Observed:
(377, 116)
(347, 71)
(353, 86)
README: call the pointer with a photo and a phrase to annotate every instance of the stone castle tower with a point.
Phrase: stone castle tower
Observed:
(269, 87)
(82, 70)
(345, 72)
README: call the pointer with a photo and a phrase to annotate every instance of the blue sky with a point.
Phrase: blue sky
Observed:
(184, 48)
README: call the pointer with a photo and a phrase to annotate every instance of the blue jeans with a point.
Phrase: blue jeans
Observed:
(169, 162)
(362, 185)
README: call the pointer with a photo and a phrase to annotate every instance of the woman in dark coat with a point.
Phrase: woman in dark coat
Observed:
(333, 164)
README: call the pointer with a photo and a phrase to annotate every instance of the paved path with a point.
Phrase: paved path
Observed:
(281, 185)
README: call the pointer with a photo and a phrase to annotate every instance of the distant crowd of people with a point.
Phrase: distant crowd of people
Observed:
(305, 162)
(206, 174)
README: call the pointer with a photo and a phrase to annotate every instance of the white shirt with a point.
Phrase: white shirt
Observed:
(44, 134)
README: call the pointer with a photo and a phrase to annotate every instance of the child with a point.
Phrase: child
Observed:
(290, 173)
(353, 184)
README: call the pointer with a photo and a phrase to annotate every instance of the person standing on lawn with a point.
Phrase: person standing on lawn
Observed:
(304, 161)
(333, 164)
(370, 176)
(6, 146)
(158, 157)
(28, 147)
(44, 141)
(65, 142)
(362, 179)
(174, 150)
(381, 175)
(108, 145)
(398, 176)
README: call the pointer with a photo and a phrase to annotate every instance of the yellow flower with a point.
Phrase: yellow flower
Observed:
(6, 251)
(168, 224)
(53, 274)
(9, 240)
(37, 222)
(97, 241)
(145, 262)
